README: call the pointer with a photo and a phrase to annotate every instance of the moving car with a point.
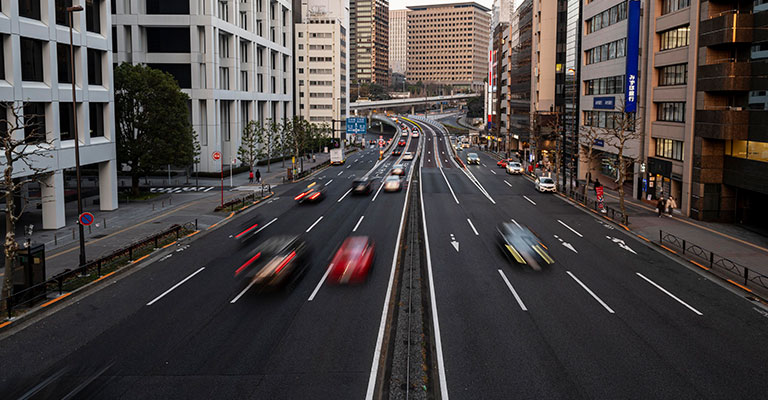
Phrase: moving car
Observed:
(392, 184)
(544, 184)
(514, 167)
(362, 186)
(278, 262)
(415, 133)
(396, 152)
(248, 230)
(337, 156)
(522, 246)
(401, 143)
(472, 158)
(313, 194)
(404, 131)
(407, 155)
(353, 260)
(397, 169)
(503, 163)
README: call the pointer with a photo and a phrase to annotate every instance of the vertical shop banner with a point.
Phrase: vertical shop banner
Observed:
(633, 50)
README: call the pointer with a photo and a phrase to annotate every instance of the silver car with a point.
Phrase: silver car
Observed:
(514, 167)
(545, 184)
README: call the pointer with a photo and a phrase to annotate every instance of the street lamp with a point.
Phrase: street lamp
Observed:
(70, 11)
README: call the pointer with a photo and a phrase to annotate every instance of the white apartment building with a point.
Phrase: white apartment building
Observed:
(233, 58)
(322, 62)
(398, 41)
(35, 73)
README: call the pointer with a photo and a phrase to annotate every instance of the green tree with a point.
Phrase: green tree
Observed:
(153, 126)
(250, 151)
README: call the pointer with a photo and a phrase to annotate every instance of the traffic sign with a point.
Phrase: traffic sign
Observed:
(216, 155)
(357, 125)
(86, 218)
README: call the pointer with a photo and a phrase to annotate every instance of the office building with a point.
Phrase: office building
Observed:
(322, 61)
(369, 38)
(36, 78)
(233, 58)
(448, 44)
(398, 41)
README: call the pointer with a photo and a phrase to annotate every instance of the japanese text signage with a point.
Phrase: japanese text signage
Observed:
(633, 50)
(357, 125)
(604, 103)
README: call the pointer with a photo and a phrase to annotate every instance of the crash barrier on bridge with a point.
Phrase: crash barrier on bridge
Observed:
(592, 204)
(733, 272)
(96, 270)
(240, 202)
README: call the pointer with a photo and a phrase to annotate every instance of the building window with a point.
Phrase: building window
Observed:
(224, 46)
(244, 51)
(670, 111)
(61, 12)
(34, 122)
(96, 118)
(668, 6)
(181, 72)
(224, 10)
(224, 78)
(168, 39)
(66, 125)
(29, 9)
(203, 123)
(31, 59)
(668, 148)
(94, 67)
(607, 18)
(672, 75)
(607, 85)
(244, 81)
(243, 20)
(605, 52)
(93, 15)
(225, 132)
(2, 58)
(63, 61)
(748, 149)
(174, 7)
(606, 119)
(675, 38)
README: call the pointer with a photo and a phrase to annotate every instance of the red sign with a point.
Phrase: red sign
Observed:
(599, 191)
(86, 218)
(216, 155)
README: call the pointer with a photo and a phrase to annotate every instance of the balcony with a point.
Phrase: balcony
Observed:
(730, 27)
(726, 76)
(732, 124)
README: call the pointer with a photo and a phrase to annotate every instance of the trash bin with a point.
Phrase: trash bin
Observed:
(29, 271)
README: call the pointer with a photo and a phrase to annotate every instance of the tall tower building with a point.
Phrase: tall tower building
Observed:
(233, 58)
(322, 65)
(398, 41)
(369, 38)
(448, 44)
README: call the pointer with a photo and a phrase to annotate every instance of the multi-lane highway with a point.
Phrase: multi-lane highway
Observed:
(611, 318)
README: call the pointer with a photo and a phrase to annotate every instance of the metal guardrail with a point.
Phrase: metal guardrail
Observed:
(59, 282)
(749, 277)
(240, 201)
(610, 212)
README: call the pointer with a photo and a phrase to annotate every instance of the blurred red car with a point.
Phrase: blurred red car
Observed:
(401, 143)
(353, 260)
(503, 163)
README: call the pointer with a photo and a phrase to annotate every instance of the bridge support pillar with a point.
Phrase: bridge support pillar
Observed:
(441, 107)
(413, 110)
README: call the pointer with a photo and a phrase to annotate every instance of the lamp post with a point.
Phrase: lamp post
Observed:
(70, 11)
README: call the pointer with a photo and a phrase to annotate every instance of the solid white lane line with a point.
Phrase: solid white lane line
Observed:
(239, 295)
(669, 294)
(493, 172)
(175, 286)
(572, 230)
(385, 309)
(319, 284)
(531, 201)
(313, 225)
(514, 293)
(345, 195)
(340, 173)
(473, 227)
(329, 182)
(518, 225)
(508, 184)
(358, 223)
(590, 292)
(381, 186)
(266, 225)
(449, 185)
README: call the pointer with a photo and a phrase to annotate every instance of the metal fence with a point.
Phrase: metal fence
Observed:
(610, 212)
(715, 263)
(240, 202)
(71, 279)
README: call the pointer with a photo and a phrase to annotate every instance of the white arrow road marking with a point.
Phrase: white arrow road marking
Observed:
(454, 243)
(566, 244)
(669, 294)
(621, 244)
(175, 286)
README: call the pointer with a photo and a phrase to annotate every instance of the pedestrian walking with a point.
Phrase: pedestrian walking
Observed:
(258, 176)
(250, 177)
(671, 205)
(661, 205)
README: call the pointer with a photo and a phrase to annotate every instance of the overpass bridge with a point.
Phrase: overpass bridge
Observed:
(411, 101)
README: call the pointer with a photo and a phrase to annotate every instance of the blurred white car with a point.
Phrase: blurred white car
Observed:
(392, 184)
(407, 155)
(545, 184)
(514, 167)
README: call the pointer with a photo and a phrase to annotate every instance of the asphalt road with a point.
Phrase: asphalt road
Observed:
(601, 322)
(205, 338)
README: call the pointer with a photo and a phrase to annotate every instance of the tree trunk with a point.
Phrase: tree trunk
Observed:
(269, 157)
(11, 247)
(135, 184)
(622, 168)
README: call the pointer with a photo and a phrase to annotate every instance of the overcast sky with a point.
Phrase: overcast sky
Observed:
(400, 4)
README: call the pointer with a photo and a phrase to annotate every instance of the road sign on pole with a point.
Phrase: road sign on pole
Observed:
(86, 218)
(216, 155)
(357, 125)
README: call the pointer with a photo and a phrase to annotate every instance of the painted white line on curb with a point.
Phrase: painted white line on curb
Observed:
(473, 227)
(590, 292)
(531, 201)
(572, 230)
(514, 293)
(669, 294)
(175, 286)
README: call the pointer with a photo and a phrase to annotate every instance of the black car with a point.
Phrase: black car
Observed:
(523, 246)
(313, 194)
(362, 186)
(396, 152)
(276, 263)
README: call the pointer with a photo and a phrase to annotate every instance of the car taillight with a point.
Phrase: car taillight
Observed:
(245, 231)
(285, 262)
(314, 196)
(247, 263)
(300, 196)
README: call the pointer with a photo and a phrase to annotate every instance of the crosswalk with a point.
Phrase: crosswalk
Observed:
(181, 189)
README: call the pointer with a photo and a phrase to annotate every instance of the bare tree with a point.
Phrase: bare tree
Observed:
(619, 136)
(587, 138)
(24, 145)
